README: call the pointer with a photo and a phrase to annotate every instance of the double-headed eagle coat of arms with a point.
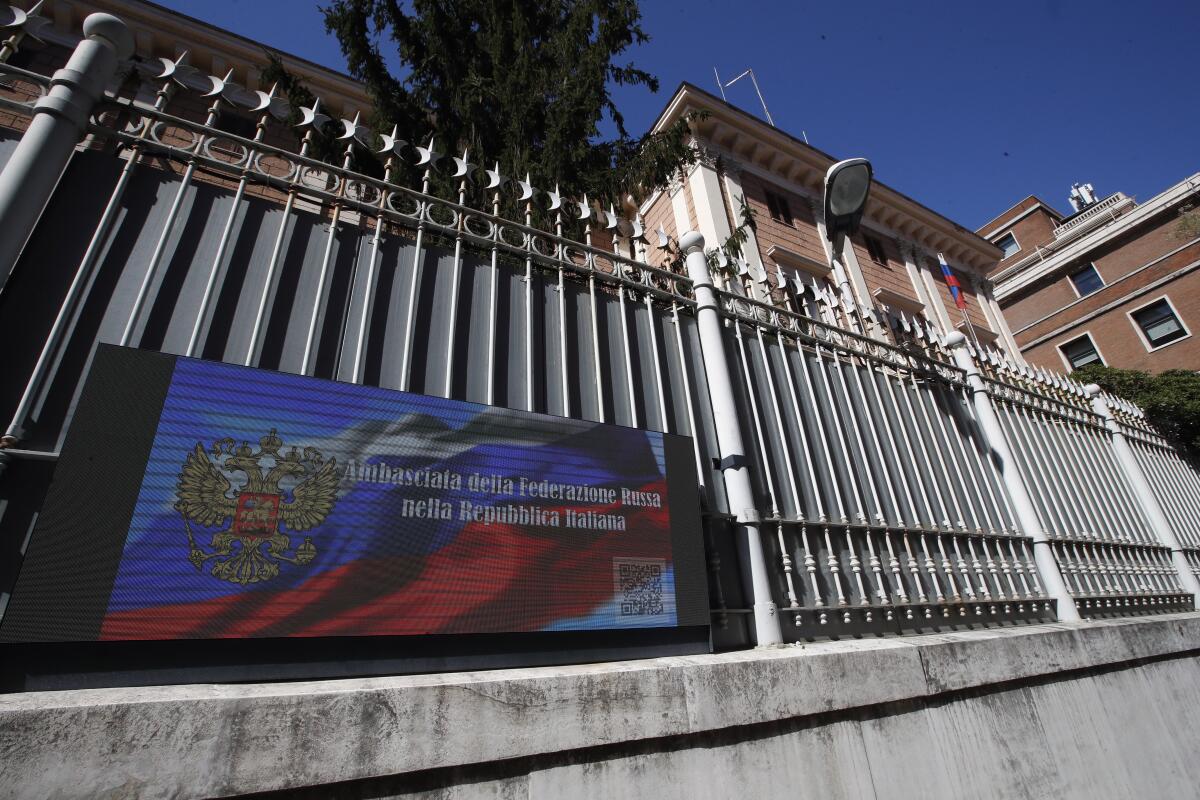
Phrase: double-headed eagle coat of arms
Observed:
(250, 546)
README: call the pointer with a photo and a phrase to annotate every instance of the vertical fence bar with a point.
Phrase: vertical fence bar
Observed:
(364, 319)
(271, 278)
(428, 158)
(160, 248)
(214, 272)
(462, 170)
(308, 361)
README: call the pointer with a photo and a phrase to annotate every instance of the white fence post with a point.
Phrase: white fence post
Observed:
(1027, 518)
(59, 120)
(732, 452)
(1144, 494)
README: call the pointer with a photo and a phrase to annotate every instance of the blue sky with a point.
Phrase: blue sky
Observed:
(965, 106)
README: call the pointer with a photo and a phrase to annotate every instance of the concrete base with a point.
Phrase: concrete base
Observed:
(1095, 710)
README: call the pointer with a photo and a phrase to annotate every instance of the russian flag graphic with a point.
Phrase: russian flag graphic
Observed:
(441, 516)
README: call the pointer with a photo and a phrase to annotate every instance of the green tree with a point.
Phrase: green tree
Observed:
(1170, 399)
(526, 83)
(1187, 227)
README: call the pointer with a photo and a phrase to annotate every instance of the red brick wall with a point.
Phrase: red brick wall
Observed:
(1116, 336)
(659, 213)
(1030, 231)
(802, 236)
(1150, 241)
(891, 274)
(1116, 259)
(1045, 299)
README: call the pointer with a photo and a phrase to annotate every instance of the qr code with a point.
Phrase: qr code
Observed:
(638, 583)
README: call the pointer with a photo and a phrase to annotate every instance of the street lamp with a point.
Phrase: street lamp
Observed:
(847, 184)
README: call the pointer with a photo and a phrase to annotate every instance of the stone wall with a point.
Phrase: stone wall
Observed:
(1095, 710)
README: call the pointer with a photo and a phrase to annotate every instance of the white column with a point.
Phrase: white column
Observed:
(907, 250)
(59, 120)
(1027, 518)
(710, 207)
(1144, 494)
(753, 255)
(730, 448)
(988, 300)
(940, 313)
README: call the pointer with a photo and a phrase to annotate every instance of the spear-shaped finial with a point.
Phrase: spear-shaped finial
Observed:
(664, 240)
(264, 99)
(585, 208)
(461, 165)
(350, 128)
(169, 68)
(525, 188)
(218, 84)
(312, 116)
(427, 156)
(494, 178)
(392, 143)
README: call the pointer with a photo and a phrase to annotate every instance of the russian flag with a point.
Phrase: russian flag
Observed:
(952, 282)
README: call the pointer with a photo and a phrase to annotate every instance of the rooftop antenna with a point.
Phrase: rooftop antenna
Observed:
(753, 80)
(750, 72)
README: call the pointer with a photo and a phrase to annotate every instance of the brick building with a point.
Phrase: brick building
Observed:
(891, 269)
(1113, 283)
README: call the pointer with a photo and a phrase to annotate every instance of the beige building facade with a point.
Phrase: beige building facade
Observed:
(890, 268)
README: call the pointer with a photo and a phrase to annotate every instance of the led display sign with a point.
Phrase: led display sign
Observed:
(200, 500)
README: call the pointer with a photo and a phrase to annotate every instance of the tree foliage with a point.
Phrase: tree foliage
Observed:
(1170, 399)
(526, 83)
(1187, 226)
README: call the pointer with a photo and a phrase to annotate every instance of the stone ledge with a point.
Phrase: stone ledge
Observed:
(213, 740)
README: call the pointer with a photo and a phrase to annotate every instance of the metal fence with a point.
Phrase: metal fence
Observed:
(881, 502)
(1175, 482)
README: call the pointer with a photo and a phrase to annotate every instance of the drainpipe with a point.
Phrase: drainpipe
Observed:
(732, 452)
(60, 119)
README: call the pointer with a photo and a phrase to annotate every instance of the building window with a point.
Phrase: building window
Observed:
(1008, 243)
(875, 249)
(1087, 280)
(1159, 323)
(777, 207)
(1081, 352)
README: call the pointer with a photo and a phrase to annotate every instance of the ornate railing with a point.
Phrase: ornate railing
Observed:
(1081, 219)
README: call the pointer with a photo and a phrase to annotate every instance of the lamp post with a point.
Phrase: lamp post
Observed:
(847, 186)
